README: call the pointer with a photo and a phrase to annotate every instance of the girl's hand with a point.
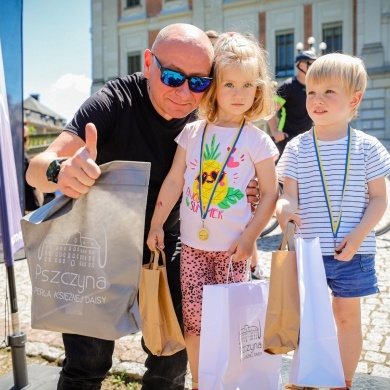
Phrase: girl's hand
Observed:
(241, 249)
(349, 246)
(155, 238)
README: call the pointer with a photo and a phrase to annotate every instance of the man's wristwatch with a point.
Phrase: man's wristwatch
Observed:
(54, 169)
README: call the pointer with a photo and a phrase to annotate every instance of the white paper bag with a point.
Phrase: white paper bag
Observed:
(316, 361)
(231, 342)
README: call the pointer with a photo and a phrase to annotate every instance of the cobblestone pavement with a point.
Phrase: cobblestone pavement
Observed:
(373, 369)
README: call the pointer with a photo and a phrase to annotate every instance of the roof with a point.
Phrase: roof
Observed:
(33, 104)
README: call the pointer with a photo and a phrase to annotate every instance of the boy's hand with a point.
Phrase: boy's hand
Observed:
(285, 217)
(155, 238)
(348, 246)
(287, 204)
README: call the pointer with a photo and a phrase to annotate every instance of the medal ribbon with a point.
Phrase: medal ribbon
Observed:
(204, 214)
(335, 224)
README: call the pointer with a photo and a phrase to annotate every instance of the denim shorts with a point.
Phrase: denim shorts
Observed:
(354, 278)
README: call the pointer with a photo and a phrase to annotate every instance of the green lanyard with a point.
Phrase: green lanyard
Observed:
(335, 224)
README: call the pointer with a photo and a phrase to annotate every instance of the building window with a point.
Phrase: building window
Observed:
(171, 4)
(332, 35)
(284, 54)
(132, 3)
(133, 63)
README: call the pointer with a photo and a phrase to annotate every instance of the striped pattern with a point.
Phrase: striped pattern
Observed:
(369, 160)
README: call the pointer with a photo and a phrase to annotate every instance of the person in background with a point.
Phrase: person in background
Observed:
(215, 158)
(32, 197)
(291, 104)
(334, 189)
(133, 118)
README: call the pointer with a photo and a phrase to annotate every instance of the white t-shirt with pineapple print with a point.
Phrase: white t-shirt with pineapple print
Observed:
(229, 211)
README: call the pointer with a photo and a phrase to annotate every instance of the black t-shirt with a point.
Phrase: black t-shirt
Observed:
(297, 120)
(31, 201)
(130, 129)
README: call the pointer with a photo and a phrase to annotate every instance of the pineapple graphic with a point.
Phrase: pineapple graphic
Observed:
(210, 170)
(223, 195)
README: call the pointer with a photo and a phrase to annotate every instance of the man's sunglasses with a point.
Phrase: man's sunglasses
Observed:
(174, 79)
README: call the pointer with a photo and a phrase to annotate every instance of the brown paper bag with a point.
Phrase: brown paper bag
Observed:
(160, 327)
(281, 330)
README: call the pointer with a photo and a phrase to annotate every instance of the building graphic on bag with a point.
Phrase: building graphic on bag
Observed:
(77, 250)
(250, 341)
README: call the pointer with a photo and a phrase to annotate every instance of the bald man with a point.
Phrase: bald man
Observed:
(133, 118)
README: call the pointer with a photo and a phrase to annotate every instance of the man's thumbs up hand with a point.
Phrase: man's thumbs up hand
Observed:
(91, 140)
(79, 173)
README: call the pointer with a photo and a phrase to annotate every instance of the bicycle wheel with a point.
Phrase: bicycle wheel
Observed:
(273, 222)
(271, 226)
(383, 225)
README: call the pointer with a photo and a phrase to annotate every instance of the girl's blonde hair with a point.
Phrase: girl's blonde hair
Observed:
(243, 52)
(345, 69)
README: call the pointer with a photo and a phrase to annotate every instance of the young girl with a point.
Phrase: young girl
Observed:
(215, 159)
(334, 189)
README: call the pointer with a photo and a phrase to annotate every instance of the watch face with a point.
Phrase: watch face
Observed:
(54, 169)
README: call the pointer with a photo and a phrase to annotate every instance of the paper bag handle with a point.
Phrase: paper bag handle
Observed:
(288, 237)
(154, 259)
(230, 270)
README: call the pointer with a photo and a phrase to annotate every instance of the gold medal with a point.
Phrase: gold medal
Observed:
(203, 234)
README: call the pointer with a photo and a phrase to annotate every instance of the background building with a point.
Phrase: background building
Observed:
(44, 125)
(122, 30)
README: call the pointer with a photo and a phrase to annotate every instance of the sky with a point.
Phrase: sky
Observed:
(57, 53)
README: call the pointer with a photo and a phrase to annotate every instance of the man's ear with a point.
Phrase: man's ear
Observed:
(356, 99)
(148, 59)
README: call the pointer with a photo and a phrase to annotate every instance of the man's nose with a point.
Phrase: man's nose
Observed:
(184, 89)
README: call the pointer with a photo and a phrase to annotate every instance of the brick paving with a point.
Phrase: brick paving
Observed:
(373, 370)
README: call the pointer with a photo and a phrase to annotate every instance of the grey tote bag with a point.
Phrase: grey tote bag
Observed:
(85, 255)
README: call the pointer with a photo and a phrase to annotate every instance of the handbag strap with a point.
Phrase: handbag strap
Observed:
(288, 237)
(154, 259)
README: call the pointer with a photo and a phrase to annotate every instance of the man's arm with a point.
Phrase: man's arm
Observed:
(77, 174)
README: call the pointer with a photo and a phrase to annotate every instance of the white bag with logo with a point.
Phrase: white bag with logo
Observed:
(85, 255)
(316, 361)
(231, 341)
